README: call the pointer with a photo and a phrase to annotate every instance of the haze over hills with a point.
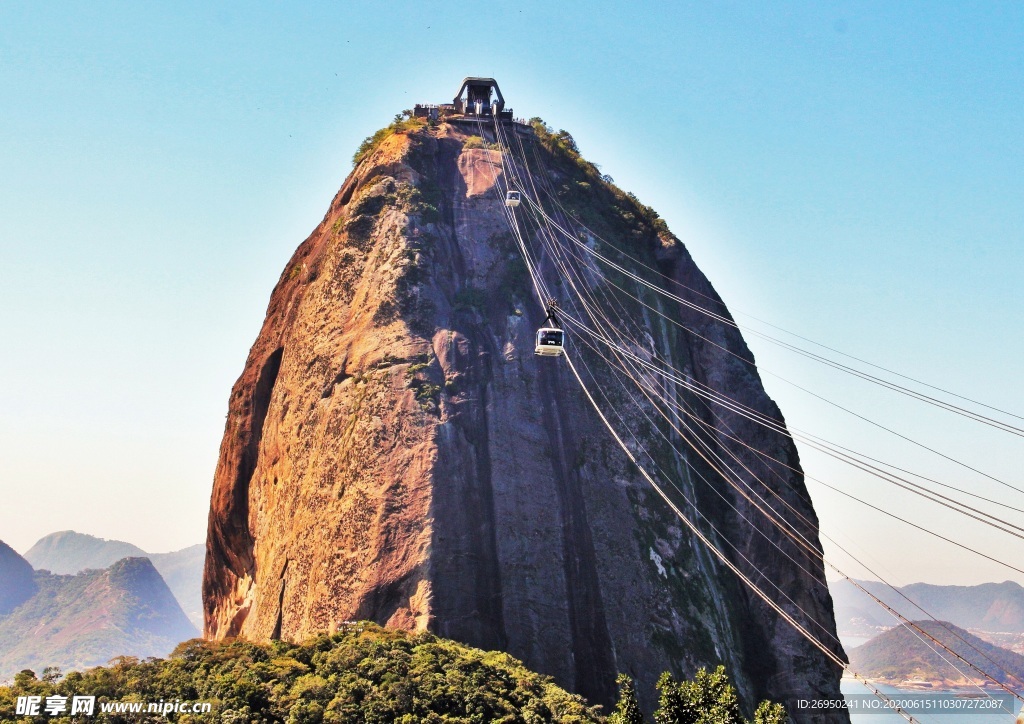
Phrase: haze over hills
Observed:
(69, 552)
(900, 655)
(76, 621)
(989, 607)
(183, 572)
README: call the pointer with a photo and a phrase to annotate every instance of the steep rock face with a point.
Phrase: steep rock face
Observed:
(395, 451)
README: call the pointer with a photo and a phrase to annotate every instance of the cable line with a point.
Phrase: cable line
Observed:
(618, 351)
(724, 559)
(750, 362)
(553, 198)
(724, 319)
(888, 476)
(868, 420)
(986, 518)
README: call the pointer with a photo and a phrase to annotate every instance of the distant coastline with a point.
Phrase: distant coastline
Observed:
(929, 686)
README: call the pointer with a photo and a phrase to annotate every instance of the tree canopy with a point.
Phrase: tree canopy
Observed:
(368, 675)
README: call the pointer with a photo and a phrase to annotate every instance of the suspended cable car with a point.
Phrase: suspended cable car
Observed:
(550, 337)
(512, 198)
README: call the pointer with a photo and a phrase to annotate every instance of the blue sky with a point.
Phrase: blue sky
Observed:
(850, 171)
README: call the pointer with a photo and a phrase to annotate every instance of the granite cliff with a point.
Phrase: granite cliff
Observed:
(394, 451)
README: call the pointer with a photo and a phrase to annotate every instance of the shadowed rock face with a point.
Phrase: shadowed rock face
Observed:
(394, 451)
(16, 584)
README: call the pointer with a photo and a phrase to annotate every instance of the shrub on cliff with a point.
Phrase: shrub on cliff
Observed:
(400, 125)
(708, 699)
(478, 142)
(589, 194)
(627, 710)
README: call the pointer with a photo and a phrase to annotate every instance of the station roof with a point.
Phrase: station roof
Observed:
(474, 80)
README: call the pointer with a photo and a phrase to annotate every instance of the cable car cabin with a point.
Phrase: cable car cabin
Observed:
(550, 342)
(512, 198)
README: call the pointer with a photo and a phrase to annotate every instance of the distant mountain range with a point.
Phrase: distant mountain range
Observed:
(68, 552)
(989, 607)
(76, 621)
(902, 656)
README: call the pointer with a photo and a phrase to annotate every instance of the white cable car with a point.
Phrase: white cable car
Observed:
(512, 198)
(550, 342)
(550, 337)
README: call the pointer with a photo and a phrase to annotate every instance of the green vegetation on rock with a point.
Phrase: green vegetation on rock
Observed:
(708, 699)
(627, 710)
(401, 124)
(363, 673)
(589, 195)
(901, 653)
(84, 620)
(478, 142)
(370, 675)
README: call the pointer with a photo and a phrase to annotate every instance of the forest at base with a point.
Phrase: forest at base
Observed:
(367, 674)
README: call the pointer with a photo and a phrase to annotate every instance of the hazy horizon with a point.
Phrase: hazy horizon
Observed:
(830, 580)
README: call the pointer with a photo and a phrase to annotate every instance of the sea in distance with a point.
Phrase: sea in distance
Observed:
(944, 707)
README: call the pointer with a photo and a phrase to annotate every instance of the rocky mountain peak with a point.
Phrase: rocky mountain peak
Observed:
(68, 552)
(394, 450)
(83, 620)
